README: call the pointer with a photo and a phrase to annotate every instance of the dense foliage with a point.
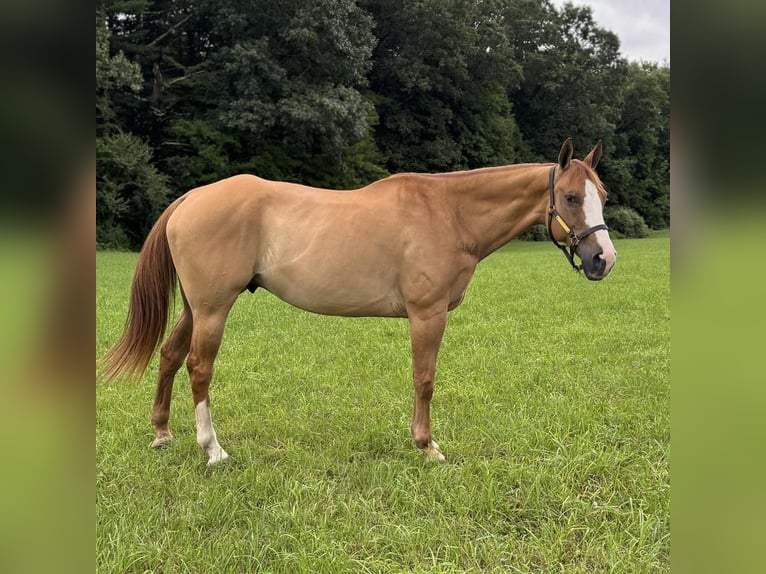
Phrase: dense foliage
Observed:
(338, 93)
(624, 221)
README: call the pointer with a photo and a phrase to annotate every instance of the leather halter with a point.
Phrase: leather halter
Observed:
(574, 238)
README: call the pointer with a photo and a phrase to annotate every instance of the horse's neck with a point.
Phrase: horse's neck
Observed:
(497, 204)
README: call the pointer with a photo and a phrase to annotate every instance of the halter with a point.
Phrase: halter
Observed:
(574, 238)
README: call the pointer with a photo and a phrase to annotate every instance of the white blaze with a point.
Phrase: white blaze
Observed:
(594, 215)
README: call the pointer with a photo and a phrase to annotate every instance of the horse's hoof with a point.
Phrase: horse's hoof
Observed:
(162, 439)
(217, 457)
(433, 454)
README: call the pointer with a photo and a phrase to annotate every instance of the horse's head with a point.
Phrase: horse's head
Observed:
(575, 216)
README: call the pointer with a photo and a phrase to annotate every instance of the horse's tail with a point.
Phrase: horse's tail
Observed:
(152, 293)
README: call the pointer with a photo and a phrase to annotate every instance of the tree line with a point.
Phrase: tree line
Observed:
(339, 93)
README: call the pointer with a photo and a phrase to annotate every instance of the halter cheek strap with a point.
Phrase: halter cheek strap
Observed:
(574, 238)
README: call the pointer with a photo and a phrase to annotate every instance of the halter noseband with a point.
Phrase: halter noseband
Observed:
(574, 238)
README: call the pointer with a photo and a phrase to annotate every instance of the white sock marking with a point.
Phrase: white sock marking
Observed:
(206, 437)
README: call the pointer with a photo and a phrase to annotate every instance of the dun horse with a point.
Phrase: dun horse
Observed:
(404, 246)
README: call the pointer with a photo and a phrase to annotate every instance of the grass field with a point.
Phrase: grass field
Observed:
(551, 406)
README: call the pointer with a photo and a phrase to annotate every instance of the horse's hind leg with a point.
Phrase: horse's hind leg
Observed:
(172, 355)
(206, 340)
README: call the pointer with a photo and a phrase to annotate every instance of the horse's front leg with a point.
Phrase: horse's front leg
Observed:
(426, 330)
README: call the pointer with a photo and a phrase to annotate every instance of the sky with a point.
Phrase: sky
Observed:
(643, 26)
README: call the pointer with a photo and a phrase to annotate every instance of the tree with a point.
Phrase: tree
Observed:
(272, 87)
(639, 172)
(440, 78)
(572, 78)
(289, 79)
(130, 192)
(112, 72)
(174, 110)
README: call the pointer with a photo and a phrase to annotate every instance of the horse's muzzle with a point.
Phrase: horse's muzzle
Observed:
(598, 265)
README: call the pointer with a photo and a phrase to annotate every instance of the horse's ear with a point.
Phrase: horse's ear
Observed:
(595, 154)
(565, 155)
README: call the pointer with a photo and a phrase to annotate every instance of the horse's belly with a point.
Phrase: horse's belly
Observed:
(347, 294)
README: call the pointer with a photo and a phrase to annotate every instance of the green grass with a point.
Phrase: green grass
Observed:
(551, 406)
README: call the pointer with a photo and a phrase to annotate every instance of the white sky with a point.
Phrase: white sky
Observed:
(643, 26)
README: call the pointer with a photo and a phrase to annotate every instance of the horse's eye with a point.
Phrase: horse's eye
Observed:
(571, 199)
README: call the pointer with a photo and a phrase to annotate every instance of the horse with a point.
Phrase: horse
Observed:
(403, 246)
